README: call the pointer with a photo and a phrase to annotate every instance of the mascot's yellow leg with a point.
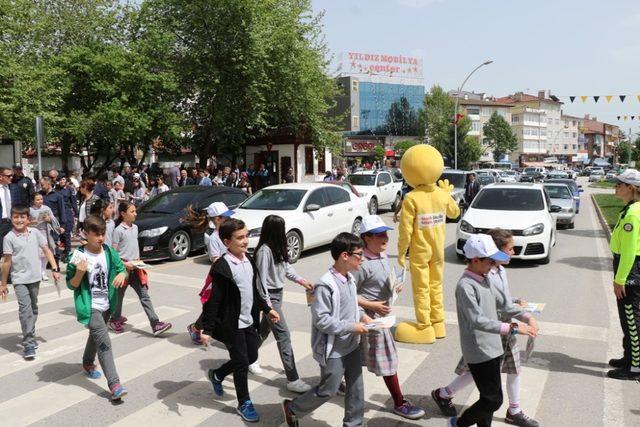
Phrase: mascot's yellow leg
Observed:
(435, 293)
(422, 331)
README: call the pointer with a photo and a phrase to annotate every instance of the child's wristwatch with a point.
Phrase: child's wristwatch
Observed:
(56, 270)
(513, 330)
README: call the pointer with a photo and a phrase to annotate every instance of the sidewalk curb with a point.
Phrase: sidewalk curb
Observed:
(603, 222)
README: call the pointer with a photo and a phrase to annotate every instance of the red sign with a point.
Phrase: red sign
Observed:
(361, 146)
(382, 65)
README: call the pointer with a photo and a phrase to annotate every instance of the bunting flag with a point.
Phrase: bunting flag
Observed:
(625, 117)
(638, 96)
(595, 98)
(584, 98)
(572, 98)
(633, 117)
(622, 98)
(618, 117)
(608, 98)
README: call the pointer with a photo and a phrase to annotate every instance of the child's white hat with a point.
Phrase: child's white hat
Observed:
(483, 246)
(373, 224)
(218, 209)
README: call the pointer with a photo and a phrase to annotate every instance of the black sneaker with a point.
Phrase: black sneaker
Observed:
(520, 419)
(289, 417)
(623, 374)
(445, 405)
(619, 363)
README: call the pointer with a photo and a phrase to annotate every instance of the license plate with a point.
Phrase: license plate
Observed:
(147, 248)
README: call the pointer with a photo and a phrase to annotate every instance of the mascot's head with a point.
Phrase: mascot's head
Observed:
(421, 165)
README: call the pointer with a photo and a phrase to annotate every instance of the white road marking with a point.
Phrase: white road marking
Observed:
(45, 298)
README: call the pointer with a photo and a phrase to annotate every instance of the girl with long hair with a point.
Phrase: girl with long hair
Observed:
(272, 262)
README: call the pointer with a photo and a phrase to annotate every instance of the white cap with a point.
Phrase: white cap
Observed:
(629, 176)
(136, 175)
(373, 224)
(482, 246)
(218, 209)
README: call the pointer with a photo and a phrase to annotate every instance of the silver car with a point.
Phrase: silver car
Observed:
(561, 195)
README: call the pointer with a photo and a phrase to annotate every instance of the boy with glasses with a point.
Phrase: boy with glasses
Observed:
(337, 323)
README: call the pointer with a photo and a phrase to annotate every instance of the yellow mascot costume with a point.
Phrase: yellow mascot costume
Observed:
(422, 229)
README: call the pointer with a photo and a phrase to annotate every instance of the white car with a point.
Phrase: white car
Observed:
(508, 176)
(379, 188)
(596, 175)
(523, 208)
(314, 213)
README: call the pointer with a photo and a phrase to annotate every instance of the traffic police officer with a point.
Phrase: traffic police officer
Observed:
(625, 245)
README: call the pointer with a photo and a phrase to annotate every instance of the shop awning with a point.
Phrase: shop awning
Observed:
(389, 153)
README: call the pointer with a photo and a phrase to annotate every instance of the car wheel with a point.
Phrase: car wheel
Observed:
(294, 246)
(396, 202)
(179, 245)
(546, 259)
(355, 228)
(373, 206)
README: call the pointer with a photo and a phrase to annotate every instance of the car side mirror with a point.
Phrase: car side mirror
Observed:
(312, 207)
(555, 209)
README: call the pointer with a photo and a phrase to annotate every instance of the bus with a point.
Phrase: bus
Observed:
(495, 165)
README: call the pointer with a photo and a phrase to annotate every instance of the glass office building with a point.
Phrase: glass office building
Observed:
(376, 99)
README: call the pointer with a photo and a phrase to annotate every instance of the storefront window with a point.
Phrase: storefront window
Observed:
(308, 160)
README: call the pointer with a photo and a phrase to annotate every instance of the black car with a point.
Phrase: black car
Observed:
(161, 235)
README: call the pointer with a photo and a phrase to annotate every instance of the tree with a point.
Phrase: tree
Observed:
(624, 151)
(438, 118)
(635, 150)
(402, 119)
(502, 139)
(379, 153)
(402, 146)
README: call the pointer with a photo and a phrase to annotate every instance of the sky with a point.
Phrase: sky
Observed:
(570, 47)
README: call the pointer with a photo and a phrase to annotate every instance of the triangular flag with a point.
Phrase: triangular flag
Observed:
(595, 98)
(618, 117)
(608, 98)
(633, 117)
(572, 98)
(622, 98)
(584, 98)
(638, 96)
(625, 117)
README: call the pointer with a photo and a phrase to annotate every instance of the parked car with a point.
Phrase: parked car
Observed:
(575, 189)
(314, 213)
(458, 179)
(556, 174)
(162, 235)
(378, 188)
(561, 195)
(487, 179)
(525, 209)
(596, 175)
(508, 176)
(611, 175)
(532, 174)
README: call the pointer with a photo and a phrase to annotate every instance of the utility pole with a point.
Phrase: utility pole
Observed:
(40, 143)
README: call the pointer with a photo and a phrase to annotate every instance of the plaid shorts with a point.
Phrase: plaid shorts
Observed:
(378, 352)
(510, 363)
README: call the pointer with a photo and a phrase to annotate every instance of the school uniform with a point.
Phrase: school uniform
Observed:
(232, 316)
(335, 347)
(215, 247)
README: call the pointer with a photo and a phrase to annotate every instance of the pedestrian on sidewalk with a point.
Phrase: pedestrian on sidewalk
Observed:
(477, 304)
(94, 281)
(272, 261)
(625, 245)
(377, 283)
(232, 314)
(20, 248)
(497, 278)
(125, 241)
(337, 323)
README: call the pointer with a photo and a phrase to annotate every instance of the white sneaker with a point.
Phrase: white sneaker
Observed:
(298, 386)
(45, 278)
(255, 368)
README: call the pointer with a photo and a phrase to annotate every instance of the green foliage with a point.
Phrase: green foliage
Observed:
(610, 207)
(438, 118)
(502, 138)
(624, 152)
(402, 146)
(401, 119)
(635, 151)
(379, 153)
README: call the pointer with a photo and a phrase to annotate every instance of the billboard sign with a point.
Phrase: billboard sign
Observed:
(383, 65)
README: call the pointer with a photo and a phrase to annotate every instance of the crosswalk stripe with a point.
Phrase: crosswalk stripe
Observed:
(332, 412)
(13, 362)
(55, 397)
(196, 402)
(532, 383)
(44, 298)
(45, 320)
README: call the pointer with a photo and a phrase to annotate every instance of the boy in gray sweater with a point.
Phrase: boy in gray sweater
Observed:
(337, 323)
(480, 330)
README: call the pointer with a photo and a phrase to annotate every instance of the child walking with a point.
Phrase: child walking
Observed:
(20, 248)
(42, 218)
(337, 323)
(105, 209)
(232, 314)
(375, 281)
(125, 241)
(511, 360)
(272, 261)
(477, 303)
(95, 296)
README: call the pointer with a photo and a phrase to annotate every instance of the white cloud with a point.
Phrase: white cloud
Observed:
(417, 4)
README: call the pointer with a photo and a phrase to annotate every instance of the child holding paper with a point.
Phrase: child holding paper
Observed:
(376, 283)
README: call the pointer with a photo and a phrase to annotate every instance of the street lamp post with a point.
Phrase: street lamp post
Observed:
(455, 115)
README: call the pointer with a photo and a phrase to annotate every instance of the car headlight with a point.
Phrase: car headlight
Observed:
(533, 230)
(255, 232)
(466, 227)
(154, 232)
(569, 210)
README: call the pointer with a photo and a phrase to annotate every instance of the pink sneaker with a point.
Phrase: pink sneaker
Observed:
(116, 326)
(160, 328)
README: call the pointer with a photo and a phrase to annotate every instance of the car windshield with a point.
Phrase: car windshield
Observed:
(529, 170)
(558, 192)
(572, 185)
(365, 179)
(509, 199)
(485, 179)
(167, 203)
(278, 199)
(455, 179)
(507, 173)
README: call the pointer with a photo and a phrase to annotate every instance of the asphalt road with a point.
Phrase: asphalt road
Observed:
(563, 383)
